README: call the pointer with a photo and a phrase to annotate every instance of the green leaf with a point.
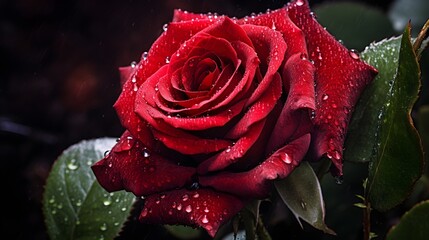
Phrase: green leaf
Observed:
(363, 128)
(301, 192)
(398, 155)
(350, 22)
(413, 225)
(74, 204)
(183, 232)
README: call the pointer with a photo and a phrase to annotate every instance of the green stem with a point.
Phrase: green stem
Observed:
(367, 221)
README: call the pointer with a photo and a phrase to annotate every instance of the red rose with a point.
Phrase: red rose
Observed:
(219, 108)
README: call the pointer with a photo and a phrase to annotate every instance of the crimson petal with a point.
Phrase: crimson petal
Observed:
(340, 79)
(294, 120)
(258, 180)
(133, 167)
(199, 208)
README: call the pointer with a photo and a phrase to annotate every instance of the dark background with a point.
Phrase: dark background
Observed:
(59, 80)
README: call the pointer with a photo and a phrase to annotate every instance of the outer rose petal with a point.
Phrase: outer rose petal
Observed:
(256, 182)
(204, 207)
(132, 167)
(340, 79)
(294, 120)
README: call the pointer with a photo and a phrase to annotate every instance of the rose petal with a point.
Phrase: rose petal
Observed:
(294, 120)
(126, 73)
(341, 77)
(258, 110)
(279, 21)
(270, 48)
(180, 16)
(233, 152)
(163, 48)
(259, 180)
(133, 167)
(199, 208)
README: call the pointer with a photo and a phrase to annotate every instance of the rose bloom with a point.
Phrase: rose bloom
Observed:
(219, 108)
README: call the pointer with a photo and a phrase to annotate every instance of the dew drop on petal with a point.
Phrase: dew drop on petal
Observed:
(165, 27)
(354, 54)
(299, 2)
(179, 207)
(188, 209)
(144, 56)
(144, 212)
(133, 64)
(146, 153)
(286, 158)
(204, 220)
(185, 197)
(167, 60)
(325, 97)
(196, 195)
(303, 56)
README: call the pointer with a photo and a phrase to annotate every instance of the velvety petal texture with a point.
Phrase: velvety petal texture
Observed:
(220, 107)
(340, 79)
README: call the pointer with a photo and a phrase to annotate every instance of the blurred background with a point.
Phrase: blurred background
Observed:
(59, 80)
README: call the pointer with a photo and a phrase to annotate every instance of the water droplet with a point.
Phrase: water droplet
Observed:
(77, 222)
(188, 209)
(196, 195)
(174, 205)
(162, 196)
(133, 64)
(103, 227)
(303, 56)
(106, 153)
(312, 114)
(123, 209)
(325, 97)
(303, 205)
(286, 158)
(144, 56)
(179, 207)
(167, 60)
(110, 165)
(228, 149)
(79, 203)
(146, 153)
(339, 179)
(165, 27)
(72, 165)
(354, 54)
(59, 206)
(299, 2)
(313, 15)
(144, 212)
(107, 202)
(204, 220)
(206, 210)
(185, 197)
(337, 155)
(115, 224)
(52, 200)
